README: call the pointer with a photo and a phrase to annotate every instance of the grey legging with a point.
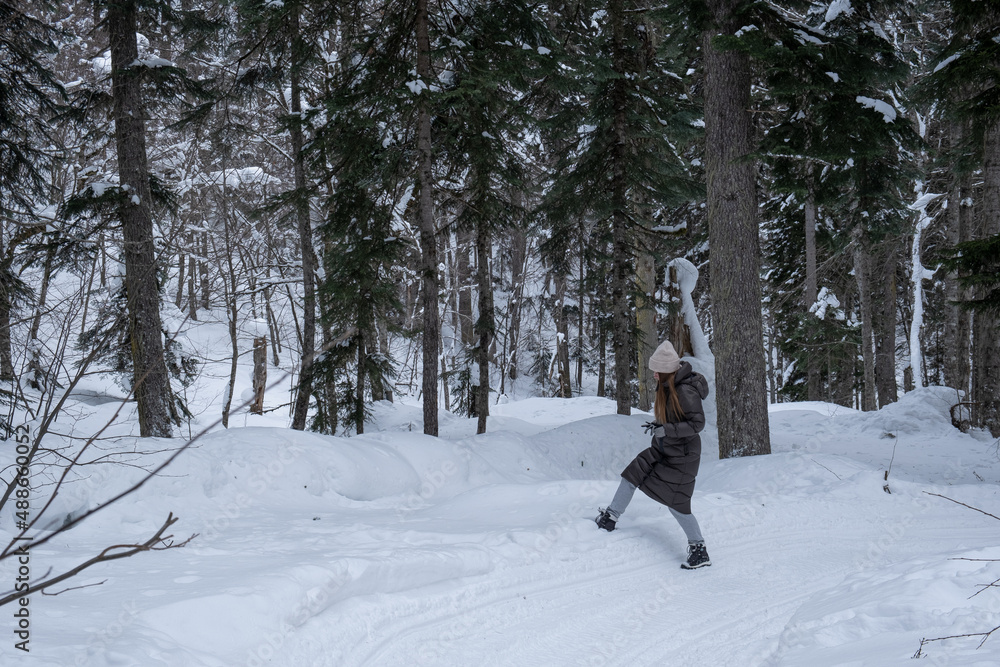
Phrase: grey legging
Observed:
(623, 496)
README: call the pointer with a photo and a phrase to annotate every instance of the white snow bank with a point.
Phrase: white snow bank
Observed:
(884, 613)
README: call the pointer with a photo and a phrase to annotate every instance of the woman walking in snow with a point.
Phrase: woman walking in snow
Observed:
(666, 471)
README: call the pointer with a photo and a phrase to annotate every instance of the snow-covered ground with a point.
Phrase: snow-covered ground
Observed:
(394, 548)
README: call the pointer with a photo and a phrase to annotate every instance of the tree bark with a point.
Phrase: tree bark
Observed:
(518, 252)
(738, 332)
(206, 301)
(259, 374)
(428, 233)
(181, 267)
(192, 292)
(581, 300)
(306, 373)
(359, 396)
(485, 323)
(6, 356)
(810, 293)
(463, 285)
(621, 251)
(861, 273)
(151, 384)
(645, 313)
(958, 326)
(885, 324)
(985, 326)
(43, 293)
(562, 337)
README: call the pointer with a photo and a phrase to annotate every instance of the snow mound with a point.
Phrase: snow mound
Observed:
(921, 411)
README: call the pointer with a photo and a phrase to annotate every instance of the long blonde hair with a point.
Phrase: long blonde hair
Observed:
(667, 400)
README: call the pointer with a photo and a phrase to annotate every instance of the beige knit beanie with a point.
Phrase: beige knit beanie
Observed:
(664, 359)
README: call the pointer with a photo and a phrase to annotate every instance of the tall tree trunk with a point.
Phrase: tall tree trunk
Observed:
(151, 384)
(372, 344)
(6, 356)
(602, 358)
(985, 326)
(331, 403)
(428, 233)
(485, 323)
(861, 274)
(562, 337)
(192, 292)
(810, 293)
(386, 392)
(206, 301)
(463, 285)
(518, 255)
(621, 252)
(885, 323)
(581, 300)
(645, 312)
(738, 332)
(958, 326)
(181, 267)
(43, 293)
(359, 397)
(306, 373)
(232, 305)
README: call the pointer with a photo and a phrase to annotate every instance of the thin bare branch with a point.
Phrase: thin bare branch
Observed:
(963, 504)
(157, 542)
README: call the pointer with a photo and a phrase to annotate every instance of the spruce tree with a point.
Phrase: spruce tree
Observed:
(29, 95)
(965, 82)
(619, 130)
(494, 53)
(282, 49)
(837, 153)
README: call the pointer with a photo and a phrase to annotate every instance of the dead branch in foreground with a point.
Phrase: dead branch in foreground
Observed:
(157, 542)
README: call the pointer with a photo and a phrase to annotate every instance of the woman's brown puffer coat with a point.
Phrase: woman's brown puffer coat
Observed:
(666, 471)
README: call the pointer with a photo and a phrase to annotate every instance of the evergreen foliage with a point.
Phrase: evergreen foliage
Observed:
(978, 266)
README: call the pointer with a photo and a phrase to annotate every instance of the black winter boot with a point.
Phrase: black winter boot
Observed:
(697, 557)
(606, 520)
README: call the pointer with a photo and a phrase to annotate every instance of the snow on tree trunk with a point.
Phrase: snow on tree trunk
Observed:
(684, 275)
(917, 277)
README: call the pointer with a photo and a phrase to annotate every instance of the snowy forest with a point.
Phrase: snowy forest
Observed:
(314, 214)
(436, 199)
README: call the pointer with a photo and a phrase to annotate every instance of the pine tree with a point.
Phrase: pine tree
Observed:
(151, 384)
(493, 55)
(282, 49)
(837, 153)
(29, 94)
(968, 64)
(143, 86)
(619, 132)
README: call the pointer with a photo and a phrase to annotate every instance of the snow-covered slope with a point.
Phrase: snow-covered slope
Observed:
(394, 548)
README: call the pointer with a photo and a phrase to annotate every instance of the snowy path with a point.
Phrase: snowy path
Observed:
(397, 549)
(620, 598)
